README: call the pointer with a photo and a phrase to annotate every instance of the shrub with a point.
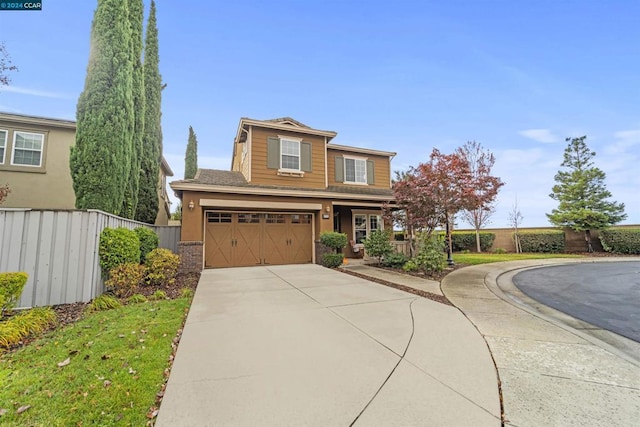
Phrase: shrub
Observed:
(332, 260)
(621, 241)
(542, 241)
(162, 267)
(377, 245)
(334, 240)
(186, 293)
(148, 241)
(125, 279)
(499, 251)
(410, 266)
(103, 302)
(158, 295)
(136, 299)
(118, 246)
(466, 240)
(20, 326)
(395, 260)
(430, 254)
(11, 286)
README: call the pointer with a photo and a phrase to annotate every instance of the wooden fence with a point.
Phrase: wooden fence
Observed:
(58, 249)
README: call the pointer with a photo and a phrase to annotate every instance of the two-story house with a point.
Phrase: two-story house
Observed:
(34, 161)
(288, 183)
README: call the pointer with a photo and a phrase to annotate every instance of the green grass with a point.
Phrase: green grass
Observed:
(116, 367)
(485, 258)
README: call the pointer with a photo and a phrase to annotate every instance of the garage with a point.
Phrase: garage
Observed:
(238, 239)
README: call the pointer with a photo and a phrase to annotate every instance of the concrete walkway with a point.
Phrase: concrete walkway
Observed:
(303, 345)
(554, 370)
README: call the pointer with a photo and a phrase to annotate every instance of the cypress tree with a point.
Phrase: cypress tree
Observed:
(191, 156)
(99, 161)
(147, 208)
(136, 13)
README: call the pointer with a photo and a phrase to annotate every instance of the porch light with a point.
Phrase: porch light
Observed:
(191, 204)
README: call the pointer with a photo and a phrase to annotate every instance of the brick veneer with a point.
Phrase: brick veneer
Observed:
(190, 256)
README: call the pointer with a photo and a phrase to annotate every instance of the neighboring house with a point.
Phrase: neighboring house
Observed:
(34, 161)
(287, 184)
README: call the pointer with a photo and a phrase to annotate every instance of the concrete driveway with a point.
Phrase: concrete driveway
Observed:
(307, 346)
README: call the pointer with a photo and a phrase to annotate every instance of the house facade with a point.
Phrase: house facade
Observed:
(288, 183)
(34, 161)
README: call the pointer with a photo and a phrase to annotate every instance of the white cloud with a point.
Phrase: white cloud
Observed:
(625, 139)
(35, 92)
(540, 135)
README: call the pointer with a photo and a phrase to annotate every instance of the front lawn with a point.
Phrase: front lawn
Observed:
(485, 258)
(105, 369)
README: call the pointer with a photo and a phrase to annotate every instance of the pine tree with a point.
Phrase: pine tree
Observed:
(147, 208)
(583, 194)
(100, 159)
(130, 203)
(191, 156)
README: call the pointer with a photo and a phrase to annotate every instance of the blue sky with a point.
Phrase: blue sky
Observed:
(405, 76)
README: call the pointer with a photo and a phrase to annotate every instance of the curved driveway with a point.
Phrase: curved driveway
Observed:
(605, 294)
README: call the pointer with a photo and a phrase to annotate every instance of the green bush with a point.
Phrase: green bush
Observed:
(334, 240)
(621, 241)
(466, 240)
(378, 244)
(125, 279)
(103, 302)
(11, 286)
(148, 241)
(410, 266)
(395, 260)
(26, 323)
(542, 241)
(430, 256)
(162, 267)
(499, 251)
(117, 246)
(332, 260)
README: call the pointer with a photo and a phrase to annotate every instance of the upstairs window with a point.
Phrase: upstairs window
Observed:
(3, 144)
(289, 154)
(27, 149)
(355, 170)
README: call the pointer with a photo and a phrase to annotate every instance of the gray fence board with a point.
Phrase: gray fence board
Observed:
(59, 251)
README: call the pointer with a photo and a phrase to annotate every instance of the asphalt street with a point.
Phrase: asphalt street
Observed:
(606, 295)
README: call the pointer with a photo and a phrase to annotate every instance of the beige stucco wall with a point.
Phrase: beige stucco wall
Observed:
(48, 187)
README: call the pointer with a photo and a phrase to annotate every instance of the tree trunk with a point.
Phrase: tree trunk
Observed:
(587, 237)
(478, 248)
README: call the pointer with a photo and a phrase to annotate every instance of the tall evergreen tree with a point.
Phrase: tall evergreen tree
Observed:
(100, 159)
(147, 208)
(130, 203)
(583, 194)
(191, 156)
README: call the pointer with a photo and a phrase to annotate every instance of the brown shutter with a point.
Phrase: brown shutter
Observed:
(339, 169)
(305, 156)
(371, 178)
(273, 153)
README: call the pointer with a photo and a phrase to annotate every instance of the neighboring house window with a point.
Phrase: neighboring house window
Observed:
(355, 170)
(3, 144)
(290, 154)
(27, 149)
(364, 225)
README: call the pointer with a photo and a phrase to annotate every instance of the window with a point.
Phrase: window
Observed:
(275, 219)
(27, 149)
(218, 217)
(355, 170)
(289, 154)
(364, 225)
(249, 218)
(301, 219)
(3, 144)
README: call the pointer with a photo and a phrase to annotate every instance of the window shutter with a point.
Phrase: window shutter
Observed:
(305, 156)
(273, 153)
(339, 169)
(371, 178)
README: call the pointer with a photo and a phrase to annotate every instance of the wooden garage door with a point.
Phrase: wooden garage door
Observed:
(234, 239)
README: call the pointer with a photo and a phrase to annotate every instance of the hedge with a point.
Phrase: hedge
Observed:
(542, 241)
(466, 240)
(117, 246)
(621, 241)
(11, 286)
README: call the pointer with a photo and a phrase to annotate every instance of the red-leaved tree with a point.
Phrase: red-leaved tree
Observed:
(485, 186)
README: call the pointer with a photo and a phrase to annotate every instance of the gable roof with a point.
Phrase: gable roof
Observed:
(283, 123)
(213, 180)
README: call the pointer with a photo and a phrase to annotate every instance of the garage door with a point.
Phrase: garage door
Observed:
(236, 239)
